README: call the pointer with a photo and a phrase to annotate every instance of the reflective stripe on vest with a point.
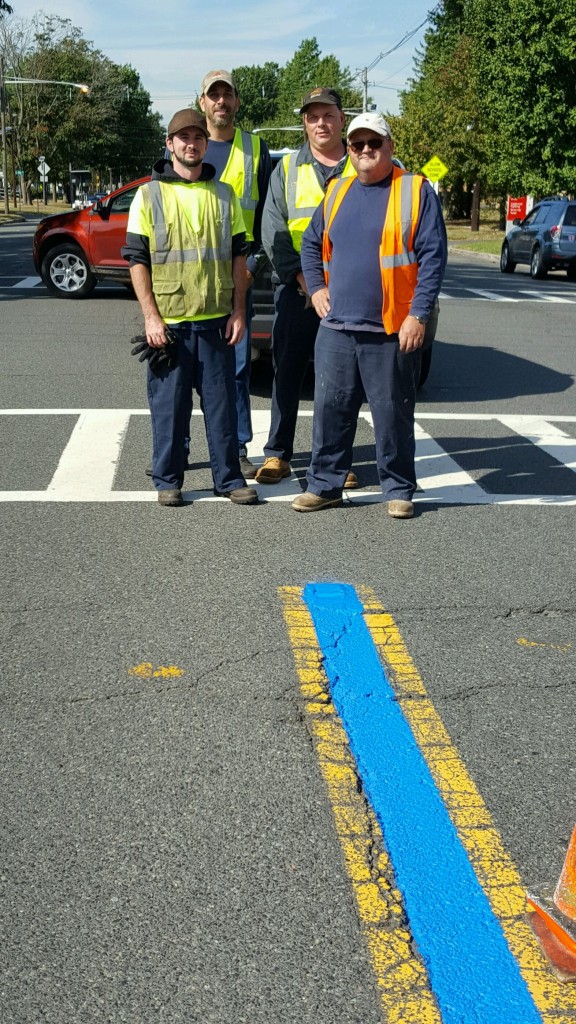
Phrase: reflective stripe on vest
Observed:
(191, 271)
(397, 257)
(304, 193)
(241, 172)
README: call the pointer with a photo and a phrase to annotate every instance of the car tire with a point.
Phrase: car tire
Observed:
(66, 273)
(537, 266)
(571, 272)
(507, 266)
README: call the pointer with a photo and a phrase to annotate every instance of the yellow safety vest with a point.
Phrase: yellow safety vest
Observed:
(191, 271)
(398, 264)
(241, 172)
(304, 193)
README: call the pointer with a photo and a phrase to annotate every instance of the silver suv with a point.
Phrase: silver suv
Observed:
(545, 239)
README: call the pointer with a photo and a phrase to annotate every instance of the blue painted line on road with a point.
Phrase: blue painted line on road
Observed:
(473, 974)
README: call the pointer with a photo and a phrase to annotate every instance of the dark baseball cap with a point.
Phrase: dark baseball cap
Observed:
(187, 118)
(328, 96)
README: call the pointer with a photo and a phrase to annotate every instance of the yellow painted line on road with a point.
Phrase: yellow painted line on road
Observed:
(146, 670)
(493, 866)
(403, 984)
(562, 648)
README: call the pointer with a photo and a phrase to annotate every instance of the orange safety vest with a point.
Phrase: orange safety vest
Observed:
(397, 257)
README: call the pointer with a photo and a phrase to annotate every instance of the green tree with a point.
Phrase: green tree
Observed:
(524, 71)
(110, 131)
(258, 91)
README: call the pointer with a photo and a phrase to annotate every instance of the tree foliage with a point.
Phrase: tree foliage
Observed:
(270, 94)
(110, 131)
(494, 95)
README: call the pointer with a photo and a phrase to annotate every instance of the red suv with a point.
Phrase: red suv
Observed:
(74, 250)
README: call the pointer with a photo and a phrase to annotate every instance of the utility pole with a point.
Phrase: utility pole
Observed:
(3, 136)
(364, 78)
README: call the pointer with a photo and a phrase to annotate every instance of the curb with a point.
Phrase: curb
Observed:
(490, 256)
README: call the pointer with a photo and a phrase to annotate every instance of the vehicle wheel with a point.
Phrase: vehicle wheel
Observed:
(571, 272)
(66, 273)
(507, 266)
(425, 365)
(537, 266)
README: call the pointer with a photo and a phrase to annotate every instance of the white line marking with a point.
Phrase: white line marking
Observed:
(547, 297)
(493, 296)
(550, 439)
(86, 470)
(28, 282)
(88, 463)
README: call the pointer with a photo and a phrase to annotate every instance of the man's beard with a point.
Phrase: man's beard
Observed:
(221, 118)
(190, 161)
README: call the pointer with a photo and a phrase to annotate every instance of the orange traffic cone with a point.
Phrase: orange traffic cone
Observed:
(552, 918)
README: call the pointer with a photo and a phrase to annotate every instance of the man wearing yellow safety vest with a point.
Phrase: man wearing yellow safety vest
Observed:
(297, 186)
(186, 246)
(243, 161)
(373, 259)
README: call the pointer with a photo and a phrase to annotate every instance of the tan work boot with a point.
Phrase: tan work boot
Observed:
(400, 509)
(273, 471)
(351, 481)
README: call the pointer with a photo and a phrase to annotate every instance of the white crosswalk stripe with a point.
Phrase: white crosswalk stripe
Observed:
(87, 467)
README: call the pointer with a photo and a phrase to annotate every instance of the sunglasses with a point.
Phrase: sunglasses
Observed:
(372, 144)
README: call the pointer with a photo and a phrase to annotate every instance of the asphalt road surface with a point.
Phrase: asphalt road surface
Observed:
(171, 847)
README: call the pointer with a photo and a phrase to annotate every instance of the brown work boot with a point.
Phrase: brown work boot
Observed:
(400, 509)
(273, 471)
(351, 481)
(239, 496)
(308, 502)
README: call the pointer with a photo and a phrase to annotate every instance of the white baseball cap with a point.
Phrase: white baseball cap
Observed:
(375, 122)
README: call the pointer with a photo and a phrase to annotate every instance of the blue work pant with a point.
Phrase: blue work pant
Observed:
(293, 335)
(349, 364)
(205, 362)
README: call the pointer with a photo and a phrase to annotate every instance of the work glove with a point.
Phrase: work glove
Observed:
(159, 359)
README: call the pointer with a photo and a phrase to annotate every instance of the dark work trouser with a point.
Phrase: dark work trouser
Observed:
(349, 364)
(207, 363)
(293, 336)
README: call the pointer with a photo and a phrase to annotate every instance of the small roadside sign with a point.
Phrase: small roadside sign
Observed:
(43, 166)
(434, 169)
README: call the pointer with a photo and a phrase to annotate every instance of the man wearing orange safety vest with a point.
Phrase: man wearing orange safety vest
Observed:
(373, 259)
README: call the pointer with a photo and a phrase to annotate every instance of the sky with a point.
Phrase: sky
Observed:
(173, 43)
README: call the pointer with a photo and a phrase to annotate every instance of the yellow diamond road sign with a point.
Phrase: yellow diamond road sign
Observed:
(434, 169)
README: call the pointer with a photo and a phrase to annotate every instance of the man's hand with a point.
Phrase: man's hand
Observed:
(301, 280)
(155, 332)
(321, 302)
(249, 278)
(411, 334)
(235, 328)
